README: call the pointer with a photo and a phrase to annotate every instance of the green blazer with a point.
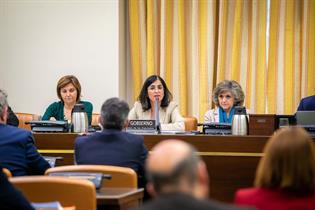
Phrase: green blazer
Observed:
(56, 110)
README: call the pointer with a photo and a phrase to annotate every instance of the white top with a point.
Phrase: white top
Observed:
(170, 117)
(212, 115)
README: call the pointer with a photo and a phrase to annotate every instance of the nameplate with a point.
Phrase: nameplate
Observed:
(217, 128)
(143, 125)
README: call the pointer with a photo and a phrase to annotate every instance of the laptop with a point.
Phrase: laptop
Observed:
(305, 118)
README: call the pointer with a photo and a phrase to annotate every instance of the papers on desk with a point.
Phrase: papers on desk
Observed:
(52, 160)
(54, 205)
(174, 132)
(167, 132)
(140, 132)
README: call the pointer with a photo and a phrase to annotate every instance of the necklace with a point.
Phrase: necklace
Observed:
(67, 114)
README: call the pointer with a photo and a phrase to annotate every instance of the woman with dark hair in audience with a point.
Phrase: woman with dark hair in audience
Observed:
(285, 177)
(12, 118)
(154, 88)
(226, 96)
(69, 93)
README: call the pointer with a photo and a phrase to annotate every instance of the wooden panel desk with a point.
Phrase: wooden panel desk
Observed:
(231, 160)
(119, 198)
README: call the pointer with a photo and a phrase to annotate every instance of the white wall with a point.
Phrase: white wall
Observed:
(43, 40)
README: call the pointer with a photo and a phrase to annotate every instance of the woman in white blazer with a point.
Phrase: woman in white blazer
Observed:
(155, 89)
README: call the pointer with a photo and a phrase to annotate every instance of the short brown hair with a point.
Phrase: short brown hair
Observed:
(64, 81)
(288, 163)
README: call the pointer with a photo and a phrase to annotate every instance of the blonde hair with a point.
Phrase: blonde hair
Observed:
(288, 163)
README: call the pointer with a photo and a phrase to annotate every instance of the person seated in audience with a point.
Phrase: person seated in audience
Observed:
(112, 146)
(18, 152)
(69, 93)
(285, 177)
(154, 88)
(226, 96)
(10, 198)
(12, 118)
(307, 104)
(178, 179)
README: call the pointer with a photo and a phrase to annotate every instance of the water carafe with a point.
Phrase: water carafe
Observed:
(79, 119)
(240, 121)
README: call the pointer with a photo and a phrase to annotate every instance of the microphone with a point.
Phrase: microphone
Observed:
(157, 115)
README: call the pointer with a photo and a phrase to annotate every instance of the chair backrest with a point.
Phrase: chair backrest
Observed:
(190, 123)
(7, 172)
(95, 118)
(24, 117)
(121, 176)
(69, 192)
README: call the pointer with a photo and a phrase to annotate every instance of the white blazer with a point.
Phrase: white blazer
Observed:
(170, 117)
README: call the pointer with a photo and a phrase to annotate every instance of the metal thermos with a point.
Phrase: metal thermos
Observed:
(240, 121)
(79, 119)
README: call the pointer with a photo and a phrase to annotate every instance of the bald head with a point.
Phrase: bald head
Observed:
(166, 155)
(173, 166)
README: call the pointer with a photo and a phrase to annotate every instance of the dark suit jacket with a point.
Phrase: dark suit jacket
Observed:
(183, 201)
(10, 198)
(307, 104)
(112, 147)
(18, 152)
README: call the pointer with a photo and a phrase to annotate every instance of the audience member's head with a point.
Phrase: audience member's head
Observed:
(114, 113)
(3, 107)
(288, 163)
(174, 166)
(69, 82)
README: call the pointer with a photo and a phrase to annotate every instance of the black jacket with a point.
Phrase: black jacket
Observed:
(181, 201)
(10, 198)
(12, 118)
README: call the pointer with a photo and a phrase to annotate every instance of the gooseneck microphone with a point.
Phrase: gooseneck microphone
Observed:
(157, 115)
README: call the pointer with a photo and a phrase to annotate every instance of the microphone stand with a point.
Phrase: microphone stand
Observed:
(157, 116)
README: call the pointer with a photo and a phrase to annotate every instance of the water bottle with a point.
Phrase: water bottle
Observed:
(240, 121)
(79, 119)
